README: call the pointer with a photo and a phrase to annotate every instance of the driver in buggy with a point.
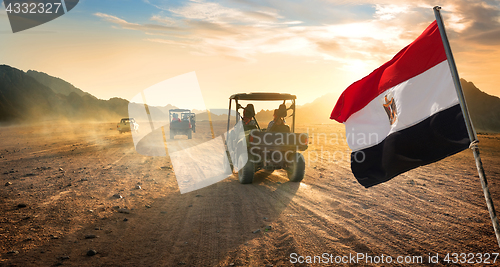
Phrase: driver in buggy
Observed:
(248, 122)
(175, 117)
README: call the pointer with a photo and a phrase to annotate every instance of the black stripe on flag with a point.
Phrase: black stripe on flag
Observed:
(440, 135)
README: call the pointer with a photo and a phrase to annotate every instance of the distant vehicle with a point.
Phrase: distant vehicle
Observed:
(257, 148)
(127, 125)
(191, 117)
(185, 125)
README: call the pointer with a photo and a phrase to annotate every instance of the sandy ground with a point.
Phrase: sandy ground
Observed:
(58, 181)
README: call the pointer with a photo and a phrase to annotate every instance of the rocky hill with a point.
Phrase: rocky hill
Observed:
(57, 85)
(25, 98)
(484, 109)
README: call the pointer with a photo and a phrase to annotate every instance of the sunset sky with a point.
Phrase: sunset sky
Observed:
(116, 48)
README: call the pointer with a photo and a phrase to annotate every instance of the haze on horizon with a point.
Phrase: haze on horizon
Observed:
(309, 48)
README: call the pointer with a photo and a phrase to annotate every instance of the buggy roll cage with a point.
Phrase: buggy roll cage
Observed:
(261, 96)
(178, 110)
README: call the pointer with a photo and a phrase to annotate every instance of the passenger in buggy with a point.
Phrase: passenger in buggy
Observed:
(278, 124)
(193, 123)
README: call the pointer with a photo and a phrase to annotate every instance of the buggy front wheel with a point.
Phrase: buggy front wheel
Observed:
(296, 168)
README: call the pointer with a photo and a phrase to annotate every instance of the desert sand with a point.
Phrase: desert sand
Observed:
(59, 187)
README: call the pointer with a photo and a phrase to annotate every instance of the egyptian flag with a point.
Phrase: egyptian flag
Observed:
(403, 115)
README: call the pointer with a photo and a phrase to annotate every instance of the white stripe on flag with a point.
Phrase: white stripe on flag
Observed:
(416, 99)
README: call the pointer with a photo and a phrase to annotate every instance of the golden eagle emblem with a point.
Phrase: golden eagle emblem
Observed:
(390, 108)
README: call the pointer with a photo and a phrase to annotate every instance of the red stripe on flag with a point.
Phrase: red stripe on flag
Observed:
(422, 54)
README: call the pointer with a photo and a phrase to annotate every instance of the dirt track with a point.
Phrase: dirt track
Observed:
(67, 176)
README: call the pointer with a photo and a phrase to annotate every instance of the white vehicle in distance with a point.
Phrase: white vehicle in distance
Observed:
(127, 125)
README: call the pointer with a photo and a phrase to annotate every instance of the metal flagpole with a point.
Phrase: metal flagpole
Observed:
(468, 123)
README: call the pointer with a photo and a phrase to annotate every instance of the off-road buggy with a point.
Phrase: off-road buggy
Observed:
(185, 124)
(252, 147)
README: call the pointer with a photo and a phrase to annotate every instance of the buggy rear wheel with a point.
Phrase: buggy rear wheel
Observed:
(245, 174)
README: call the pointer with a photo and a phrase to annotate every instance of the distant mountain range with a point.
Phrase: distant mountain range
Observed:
(36, 96)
